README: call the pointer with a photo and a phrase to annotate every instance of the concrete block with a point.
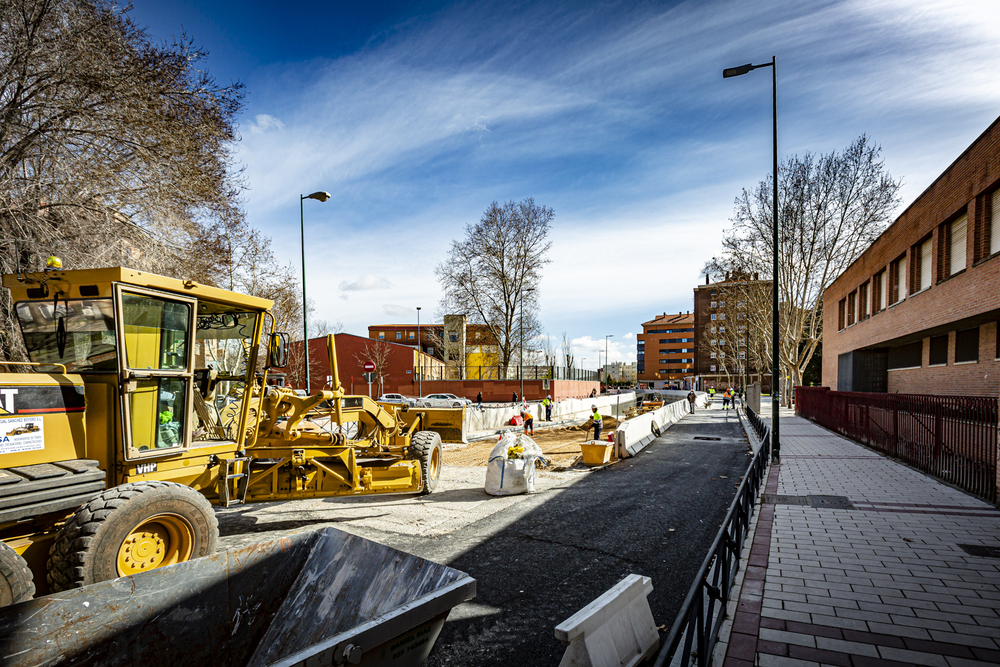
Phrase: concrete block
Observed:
(615, 630)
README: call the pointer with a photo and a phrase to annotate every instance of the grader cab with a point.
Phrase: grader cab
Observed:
(147, 403)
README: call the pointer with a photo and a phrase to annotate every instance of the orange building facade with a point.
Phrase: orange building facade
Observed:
(666, 350)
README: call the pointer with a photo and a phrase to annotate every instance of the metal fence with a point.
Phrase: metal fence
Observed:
(508, 373)
(696, 628)
(951, 437)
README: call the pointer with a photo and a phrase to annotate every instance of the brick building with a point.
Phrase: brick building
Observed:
(666, 350)
(917, 312)
(447, 342)
(724, 352)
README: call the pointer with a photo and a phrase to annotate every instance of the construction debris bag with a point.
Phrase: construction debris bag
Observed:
(511, 467)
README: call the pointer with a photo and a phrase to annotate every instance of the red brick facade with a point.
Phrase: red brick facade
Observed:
(937, 295)
(666, 349)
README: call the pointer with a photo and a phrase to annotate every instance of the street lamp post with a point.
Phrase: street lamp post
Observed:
(775, 370)
(606, 362)
(420, 349)
(520, 368)
(321, 197)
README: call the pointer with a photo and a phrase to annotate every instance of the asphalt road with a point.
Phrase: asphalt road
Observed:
(539, 560)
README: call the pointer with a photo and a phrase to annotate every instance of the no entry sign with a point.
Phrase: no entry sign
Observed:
(369, 367)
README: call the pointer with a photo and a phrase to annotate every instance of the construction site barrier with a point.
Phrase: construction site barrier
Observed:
(493, 418)
(634, 434)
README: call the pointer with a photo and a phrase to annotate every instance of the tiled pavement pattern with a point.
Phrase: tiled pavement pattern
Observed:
(883, 584)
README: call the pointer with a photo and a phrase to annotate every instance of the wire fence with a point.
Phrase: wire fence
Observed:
(953, 438)
(696, 628)
(508, 373)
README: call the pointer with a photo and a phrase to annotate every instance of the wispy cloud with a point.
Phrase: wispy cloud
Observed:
(401, 312)
(365, 282)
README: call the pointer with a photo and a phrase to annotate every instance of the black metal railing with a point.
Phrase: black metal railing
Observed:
(696, 628)
(953, 438)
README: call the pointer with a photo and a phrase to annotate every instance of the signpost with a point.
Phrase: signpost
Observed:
(369, 375)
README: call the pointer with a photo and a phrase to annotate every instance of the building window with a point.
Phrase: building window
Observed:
(453, 337)
(994, 222)
(722, 304)
(863, 305)
(412, 335)
(722, 316)
(897, 280)
(714, 341)
(939, 351)
(714, 304)
(722, 329)
(713, 355)
(906, 356)
(852, 308)
(381, 335)
(957, 234)
(880, 298)
(399, 335)
(743, 355)
(842, 314)
(663, 361)
(967, 345)
(713, 316)
(713, 329)
(663, 340)
(922, 280)
(722, 342)
(712, 367)
(722, 355)
(740, 304)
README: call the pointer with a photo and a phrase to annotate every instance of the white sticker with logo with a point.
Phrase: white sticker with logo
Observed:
(21, 434)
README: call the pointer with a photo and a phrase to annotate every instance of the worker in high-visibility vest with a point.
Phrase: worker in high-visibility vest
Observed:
(547, 402)
(598, 422)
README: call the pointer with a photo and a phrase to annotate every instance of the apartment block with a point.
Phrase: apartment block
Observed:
(725, 354)
(666, 350)
(917, 312)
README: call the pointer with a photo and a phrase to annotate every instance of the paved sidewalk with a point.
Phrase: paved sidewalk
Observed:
(856, 561)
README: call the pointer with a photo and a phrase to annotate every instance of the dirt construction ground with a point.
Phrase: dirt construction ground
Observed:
(561, 445)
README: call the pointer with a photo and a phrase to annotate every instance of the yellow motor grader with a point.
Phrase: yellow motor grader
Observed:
(144, 406)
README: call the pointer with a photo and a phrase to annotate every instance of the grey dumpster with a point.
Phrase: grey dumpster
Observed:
(316, 598)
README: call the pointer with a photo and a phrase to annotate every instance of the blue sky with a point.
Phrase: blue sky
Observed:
(416, 115)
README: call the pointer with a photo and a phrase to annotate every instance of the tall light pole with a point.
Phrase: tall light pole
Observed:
(321, 197)
(420, 349)
(520, 369)
(775, 366)
(606, 361)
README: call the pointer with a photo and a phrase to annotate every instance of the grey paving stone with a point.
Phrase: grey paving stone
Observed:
(843, 646)
(898, 630)
(786, 614)
(912, 657)
(968, 640)
(787, 637)
(841, 622)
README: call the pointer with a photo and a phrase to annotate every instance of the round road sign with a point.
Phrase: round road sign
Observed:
(369, 367)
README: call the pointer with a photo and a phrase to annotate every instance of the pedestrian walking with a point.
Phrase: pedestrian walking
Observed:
(598, 421)
(593, 393)
(726, 397)
(479, 401)
(529, 422)
(515, 397)
(547, 402)
(692, 397)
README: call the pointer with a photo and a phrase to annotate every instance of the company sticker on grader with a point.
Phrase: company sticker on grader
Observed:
(21, 434)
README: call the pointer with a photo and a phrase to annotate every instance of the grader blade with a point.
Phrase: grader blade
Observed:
(446, 422)
(318, 597)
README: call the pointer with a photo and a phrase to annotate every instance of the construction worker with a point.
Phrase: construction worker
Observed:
(598, 422)
(726, 397)
(547, 402)
(529, 422)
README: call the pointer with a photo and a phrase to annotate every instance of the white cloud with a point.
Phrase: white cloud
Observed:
(365, 282)
(400, 312)
(629, 336)
(263, 122)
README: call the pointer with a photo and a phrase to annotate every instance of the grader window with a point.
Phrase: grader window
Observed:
(156, 332)
(223, 341)
(79, 333)
(158, 413)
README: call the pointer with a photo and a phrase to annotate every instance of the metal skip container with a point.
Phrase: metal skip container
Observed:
(321, 597)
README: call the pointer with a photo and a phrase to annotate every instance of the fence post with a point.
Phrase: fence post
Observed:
(938, 436)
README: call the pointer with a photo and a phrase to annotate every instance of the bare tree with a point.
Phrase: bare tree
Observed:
(832, 207)
(493, 273)
(113, 150)
(567, 351)
(378, 353)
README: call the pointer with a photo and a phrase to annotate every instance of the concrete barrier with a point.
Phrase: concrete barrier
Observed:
(615, 630)
(634, 434)
(494, 418)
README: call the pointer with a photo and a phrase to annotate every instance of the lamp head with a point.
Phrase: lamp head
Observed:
(736, 71)
(319, 196)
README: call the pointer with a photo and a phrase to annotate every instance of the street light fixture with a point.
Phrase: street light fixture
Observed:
(321, 197)
(775, 370)
(420, 349)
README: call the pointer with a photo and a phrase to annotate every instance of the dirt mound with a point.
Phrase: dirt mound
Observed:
(560, 445)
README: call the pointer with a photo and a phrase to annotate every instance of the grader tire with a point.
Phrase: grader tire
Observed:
(426, 448)
(16, 582)
(132, 528)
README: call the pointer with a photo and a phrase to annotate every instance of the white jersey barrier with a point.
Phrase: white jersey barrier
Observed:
(634, 434)
(491, 419)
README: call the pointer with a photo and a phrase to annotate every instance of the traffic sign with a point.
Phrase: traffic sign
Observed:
(369, 367)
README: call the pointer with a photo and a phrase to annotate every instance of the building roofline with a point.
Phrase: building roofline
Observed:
(917, 199)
